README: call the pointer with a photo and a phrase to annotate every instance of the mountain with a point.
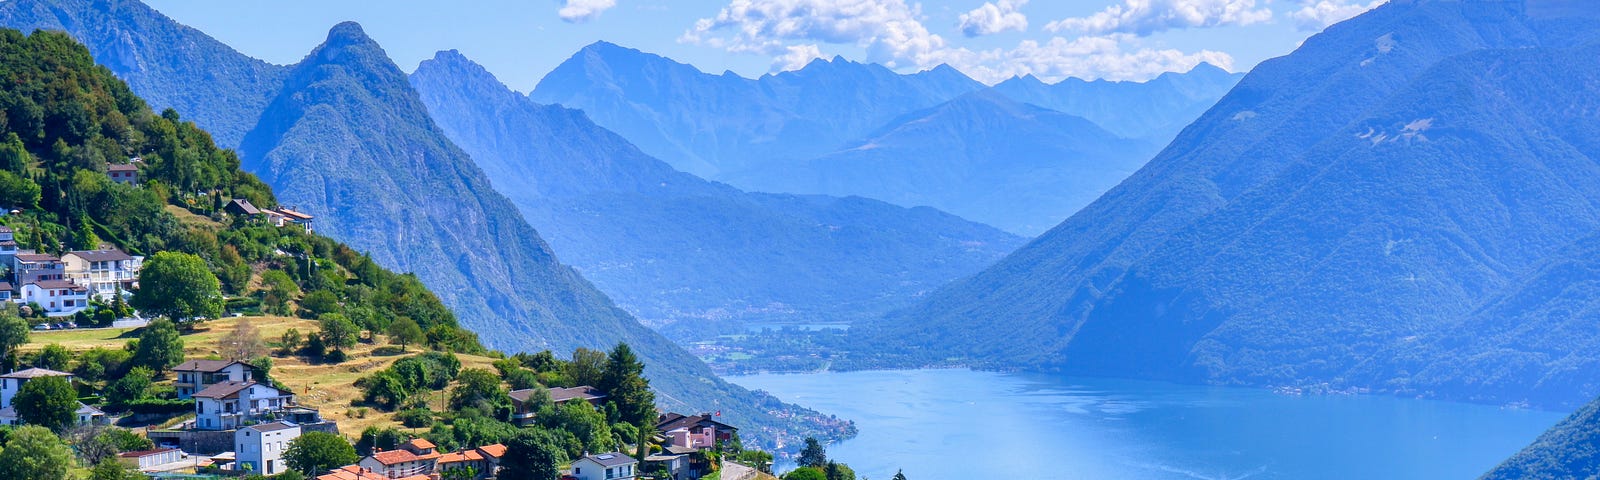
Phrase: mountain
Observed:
(710, 124)
(349, 139)
(1156, 109)
(1307, 233)
(1566, 451)
(670, 246)
(169, 64)
(981, 156)
(934, 138)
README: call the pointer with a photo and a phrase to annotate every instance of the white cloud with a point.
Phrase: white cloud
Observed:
(887, 29)
(1144, 17)
(891, 33)
(1319, 14)
(796, 57)
(578, 11)
(994, 17)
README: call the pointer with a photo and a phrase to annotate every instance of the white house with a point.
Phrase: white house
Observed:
(57, 297)
(123, 173)
(260, 447)
(8, 245)
(229, 405)
(11, 383)
(28, 267)
(103, 272)
(415, 457)
(196, 375)
(605, 466)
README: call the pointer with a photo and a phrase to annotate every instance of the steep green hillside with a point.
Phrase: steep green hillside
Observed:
(169, 64)
(1308, 232)
(64, 120)
(1569, 450)
(671, 247)
(349, 139)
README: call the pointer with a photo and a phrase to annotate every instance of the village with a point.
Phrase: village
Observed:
(225, 420)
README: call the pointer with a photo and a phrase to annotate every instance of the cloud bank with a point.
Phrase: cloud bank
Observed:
(994, 17)
(579, 11)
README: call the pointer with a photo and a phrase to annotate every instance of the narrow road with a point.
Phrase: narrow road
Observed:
(735, 471)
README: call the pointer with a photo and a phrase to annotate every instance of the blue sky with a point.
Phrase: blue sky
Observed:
(522, 40)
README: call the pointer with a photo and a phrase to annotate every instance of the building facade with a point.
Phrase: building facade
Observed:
(260, 447)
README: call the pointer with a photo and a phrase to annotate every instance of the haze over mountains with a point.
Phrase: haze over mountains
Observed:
(838, 127)
(673, 247)
(345, 137)
(1350, 232)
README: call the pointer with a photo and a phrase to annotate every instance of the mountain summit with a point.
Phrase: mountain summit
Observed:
(676, 249)
(1316, 232)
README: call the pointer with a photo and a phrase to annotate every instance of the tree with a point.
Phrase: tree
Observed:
(532, 454)
(243, 343)
(581, 420)
(34, 453)
(761, 460)
(380, 439)
(586, 367)
(478, 388)
(160, 347)
(13, 333)
(898, 475)
(290, 341)
(111, 469)
(48, 402)
(277, 289)
(53, 357)
(522, 379)
(813, 455)
(316, 452)
(319, 303)
(806, 473)
(839, 471)
(133, 386)
(338, 331)
(626, 388)
(178, 286)
(18, 192)
(385, 389)
(405, 331)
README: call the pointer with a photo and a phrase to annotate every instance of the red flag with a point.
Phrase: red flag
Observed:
(719, 413)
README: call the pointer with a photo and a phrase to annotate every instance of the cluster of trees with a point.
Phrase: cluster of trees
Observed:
(123, 377)
(814, 465)
(37, 452)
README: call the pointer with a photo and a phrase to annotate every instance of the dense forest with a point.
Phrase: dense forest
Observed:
(65, 120)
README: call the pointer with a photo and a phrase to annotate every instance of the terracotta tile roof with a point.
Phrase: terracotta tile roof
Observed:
(495, 450)
(392, 457)
(122, 167)
(352, 472)
(420, 444)
(458, 457)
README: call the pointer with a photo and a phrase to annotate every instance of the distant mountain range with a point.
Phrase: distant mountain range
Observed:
(672, 247)
(1401, 205)
(838, 127)
(343, 136)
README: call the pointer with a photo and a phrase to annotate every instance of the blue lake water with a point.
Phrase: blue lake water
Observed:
(962, 424)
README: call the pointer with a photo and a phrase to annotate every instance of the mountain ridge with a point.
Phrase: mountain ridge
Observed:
(676, 248)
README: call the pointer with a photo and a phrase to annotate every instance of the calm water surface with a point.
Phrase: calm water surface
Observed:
(961, 424)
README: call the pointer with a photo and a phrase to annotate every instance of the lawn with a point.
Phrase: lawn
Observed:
(329, 388)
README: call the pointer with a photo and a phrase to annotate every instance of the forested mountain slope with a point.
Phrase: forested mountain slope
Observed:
(169, 64)
(1307, 232)
(673, 247)
(348, 140)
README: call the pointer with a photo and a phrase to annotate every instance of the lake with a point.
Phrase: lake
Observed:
(962, 424)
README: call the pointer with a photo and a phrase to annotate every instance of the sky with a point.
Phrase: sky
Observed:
(990, 40)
